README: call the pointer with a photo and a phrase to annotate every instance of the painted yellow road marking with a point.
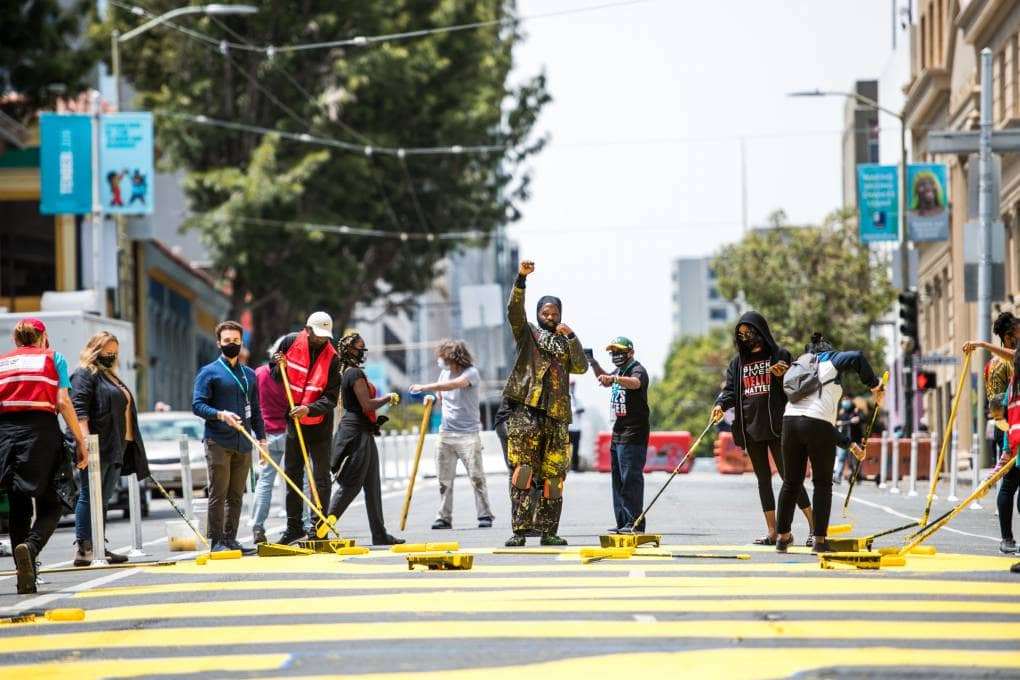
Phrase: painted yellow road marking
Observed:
(122, 668)
(725, 664)
(950, 632)
(495, 602)
(776, 586)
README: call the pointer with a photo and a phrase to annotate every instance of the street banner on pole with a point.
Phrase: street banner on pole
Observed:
(65, 164)
(927, 202)
(878, 202)
(126, 163)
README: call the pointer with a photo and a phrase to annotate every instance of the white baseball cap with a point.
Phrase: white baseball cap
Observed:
(321, 324)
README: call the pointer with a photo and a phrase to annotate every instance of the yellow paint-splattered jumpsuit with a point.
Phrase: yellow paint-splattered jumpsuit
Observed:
(539, 388)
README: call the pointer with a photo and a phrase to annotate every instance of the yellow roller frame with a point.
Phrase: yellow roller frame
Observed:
(946, 436)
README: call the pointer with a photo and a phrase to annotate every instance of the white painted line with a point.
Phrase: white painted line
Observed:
(897, 513)
(43, 600)
(636, 573)
(645, 618)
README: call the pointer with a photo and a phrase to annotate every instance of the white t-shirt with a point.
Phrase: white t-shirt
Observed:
(461, 413)
(824, 406)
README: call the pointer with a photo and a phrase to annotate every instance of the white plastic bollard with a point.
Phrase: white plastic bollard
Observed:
(382, 446)
(96, 503)
(186, 482)
(912, 490)
(933, 454)
(894, 481)
(135, 509)
(954, 461)
(883, 462)
(975, 472)
(405, 453)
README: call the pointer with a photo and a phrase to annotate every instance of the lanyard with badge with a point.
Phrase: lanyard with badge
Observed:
(243, 386)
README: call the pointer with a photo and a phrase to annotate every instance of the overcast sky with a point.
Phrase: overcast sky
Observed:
(644, 165)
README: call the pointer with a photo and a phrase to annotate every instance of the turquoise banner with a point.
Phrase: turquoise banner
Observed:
(878, 202)
(65, 164)
(126, 163)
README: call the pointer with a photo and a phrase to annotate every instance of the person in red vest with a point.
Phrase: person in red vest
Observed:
(313, 371)
(34, 387)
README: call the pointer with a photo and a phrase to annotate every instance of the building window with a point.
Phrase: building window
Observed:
(713, 293)
(397, 357)
(718, 314)
(28, 260)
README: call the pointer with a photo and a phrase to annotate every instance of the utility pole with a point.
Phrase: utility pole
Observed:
(97, 207)
(743, 183)
(985, 205)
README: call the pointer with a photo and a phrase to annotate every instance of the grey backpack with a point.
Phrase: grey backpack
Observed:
(801, 379)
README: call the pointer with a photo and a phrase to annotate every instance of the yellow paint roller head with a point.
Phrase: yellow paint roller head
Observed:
(202, 559)
(839, 529)
(225, 555)
(409, 547)
(352, 550)
(893, 561)
(65, 615)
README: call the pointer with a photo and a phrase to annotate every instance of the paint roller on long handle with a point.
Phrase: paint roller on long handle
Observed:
(425, 415)
(181, 514)
(927, 533)
(946, 436)
(300, 437)
(867, 435)
(283, 475)
(711, 421)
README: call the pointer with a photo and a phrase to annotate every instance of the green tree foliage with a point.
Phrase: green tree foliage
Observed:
(436, 90)
(43, 54)
(683, 398)
(811, 279)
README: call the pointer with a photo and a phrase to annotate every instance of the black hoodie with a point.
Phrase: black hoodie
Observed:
(758, 418)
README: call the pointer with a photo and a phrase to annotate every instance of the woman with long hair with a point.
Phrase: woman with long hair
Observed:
(355, 459)
(106, 407)
(33, 389)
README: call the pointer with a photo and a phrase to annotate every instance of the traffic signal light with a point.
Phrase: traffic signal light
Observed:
(926, 381)
(909, 325)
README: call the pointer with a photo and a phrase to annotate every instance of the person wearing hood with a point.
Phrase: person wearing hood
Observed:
(538, 444)
(754, 389)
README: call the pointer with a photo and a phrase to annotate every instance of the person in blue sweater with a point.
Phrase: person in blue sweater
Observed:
(226, 397)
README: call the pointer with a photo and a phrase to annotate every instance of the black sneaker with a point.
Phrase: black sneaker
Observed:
(233, 544)
(388, 540)
(441, 524)
(24, 562)
(782, 545)
(115, 558)
(626, 529)
(810, 542)
(821, 546)
(483, 523)
(516, 541)
(82, 553)
(1015, 569)
(292, 536)
(219, 546)
(258, 535)
(1007, 547)
(553, 539)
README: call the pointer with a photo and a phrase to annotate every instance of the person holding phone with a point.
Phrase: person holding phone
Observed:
(754, 389)
(629, 448)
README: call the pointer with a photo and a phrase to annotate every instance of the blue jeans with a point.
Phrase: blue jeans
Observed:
(267, 475)
(109, 474)
(628, 465)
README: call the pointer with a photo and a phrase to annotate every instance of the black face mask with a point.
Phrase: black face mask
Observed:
(230, 351)
(358, 355)
(107, 360)
(748, 340)
(619, 358)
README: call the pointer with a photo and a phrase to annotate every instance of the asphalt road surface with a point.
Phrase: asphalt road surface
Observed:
(952, 615)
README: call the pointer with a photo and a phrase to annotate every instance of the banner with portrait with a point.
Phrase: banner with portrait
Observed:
(927, 202)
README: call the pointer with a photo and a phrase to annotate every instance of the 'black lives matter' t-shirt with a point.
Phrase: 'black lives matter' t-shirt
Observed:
(630, 408)
(756, 382)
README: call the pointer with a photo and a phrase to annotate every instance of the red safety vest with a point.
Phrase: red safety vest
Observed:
(307, 383)
(28, 380)
(1013, 416)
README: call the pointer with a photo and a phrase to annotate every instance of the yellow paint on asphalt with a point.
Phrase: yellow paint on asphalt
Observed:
(496, 602)
(122, 668)
(190, 637)
(725, 664)
(773, 586)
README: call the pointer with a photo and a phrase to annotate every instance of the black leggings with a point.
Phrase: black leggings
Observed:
(1010, 484)
(758, 452)
(807, 439)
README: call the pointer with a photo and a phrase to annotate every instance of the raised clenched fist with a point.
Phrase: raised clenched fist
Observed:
(527, 267)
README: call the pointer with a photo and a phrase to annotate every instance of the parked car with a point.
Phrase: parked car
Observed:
(162, 432)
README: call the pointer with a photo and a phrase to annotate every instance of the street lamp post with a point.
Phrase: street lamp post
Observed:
(907, 376)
